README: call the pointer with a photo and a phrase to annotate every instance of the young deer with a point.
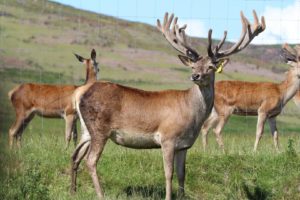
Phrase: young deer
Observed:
(263, 99)
(170, 120)
(51, 101)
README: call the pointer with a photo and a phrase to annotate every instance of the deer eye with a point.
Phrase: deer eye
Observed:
(211, 67)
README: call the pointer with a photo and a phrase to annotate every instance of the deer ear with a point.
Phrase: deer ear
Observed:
(93, 54)
(186, 60)
(81, 59)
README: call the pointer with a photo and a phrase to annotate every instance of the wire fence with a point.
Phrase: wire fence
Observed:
(212, 15)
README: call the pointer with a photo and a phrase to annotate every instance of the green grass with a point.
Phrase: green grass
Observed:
(34, 48)
(42, 166)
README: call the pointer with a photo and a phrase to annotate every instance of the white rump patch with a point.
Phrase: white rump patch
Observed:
(85, 133)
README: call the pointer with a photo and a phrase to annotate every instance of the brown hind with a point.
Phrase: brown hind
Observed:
(49, 101)
(263, 99)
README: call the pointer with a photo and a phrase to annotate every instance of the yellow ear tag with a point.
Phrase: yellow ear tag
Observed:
(220, 67)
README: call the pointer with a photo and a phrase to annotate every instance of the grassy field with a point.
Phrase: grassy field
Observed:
(41, 168)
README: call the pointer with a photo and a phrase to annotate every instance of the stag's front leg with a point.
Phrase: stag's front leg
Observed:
(180, 157)
(168, 157)
(261, 119)
(273, 128)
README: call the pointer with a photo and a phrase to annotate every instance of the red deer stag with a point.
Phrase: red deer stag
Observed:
(170, 120)
(263, 99)
(51, 101)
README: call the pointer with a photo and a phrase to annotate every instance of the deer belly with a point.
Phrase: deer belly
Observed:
(51, 113)
(186, 141)
(136, 140)
(244, 112)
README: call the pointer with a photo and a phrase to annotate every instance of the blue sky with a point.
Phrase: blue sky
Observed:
(282, 16)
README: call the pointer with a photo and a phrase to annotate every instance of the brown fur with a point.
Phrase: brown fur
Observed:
(250, 98)
(52, 101)
(169, 120)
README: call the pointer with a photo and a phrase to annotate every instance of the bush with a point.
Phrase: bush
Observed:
(27, 185)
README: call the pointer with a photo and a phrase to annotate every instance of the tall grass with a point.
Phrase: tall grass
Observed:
(41, 169)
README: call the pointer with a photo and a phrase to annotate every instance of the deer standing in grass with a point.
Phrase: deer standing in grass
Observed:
(51, 101)
(263, 99)
(170, 120)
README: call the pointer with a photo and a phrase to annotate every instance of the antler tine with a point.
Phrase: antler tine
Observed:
(256, 22)
(255, 29)
(235, 47)
(165, 19)
(219, 46)
(209, 49)
(180, 32)
(174, 25)
(247, 35)
(169, 22)
(176, 36)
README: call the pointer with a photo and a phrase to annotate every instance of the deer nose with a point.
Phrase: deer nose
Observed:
(195, 77)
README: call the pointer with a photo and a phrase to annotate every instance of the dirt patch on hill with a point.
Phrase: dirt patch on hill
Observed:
(147, 61)
(252, 69)
(133, 59)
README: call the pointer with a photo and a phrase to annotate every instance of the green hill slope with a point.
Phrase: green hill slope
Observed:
(38, 37)
(37, 42)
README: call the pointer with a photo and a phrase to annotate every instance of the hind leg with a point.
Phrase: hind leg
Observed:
(16, 130)
(96, 148)
(70, 121)
(13, 130)
(218, 130)
(273, 128)
(74, 133)
(208, 124)
(81, 150)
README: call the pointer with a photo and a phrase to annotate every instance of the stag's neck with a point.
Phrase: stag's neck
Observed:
(91, 76)
(289, 86)
(206, 95)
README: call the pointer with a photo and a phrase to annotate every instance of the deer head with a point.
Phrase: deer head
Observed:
(292, 57)
(204, 66)
(92, 68)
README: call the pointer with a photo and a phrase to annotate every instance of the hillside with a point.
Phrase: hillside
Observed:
(37, 42)
(39, 37)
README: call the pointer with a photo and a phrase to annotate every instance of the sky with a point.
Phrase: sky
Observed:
(282, 16)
